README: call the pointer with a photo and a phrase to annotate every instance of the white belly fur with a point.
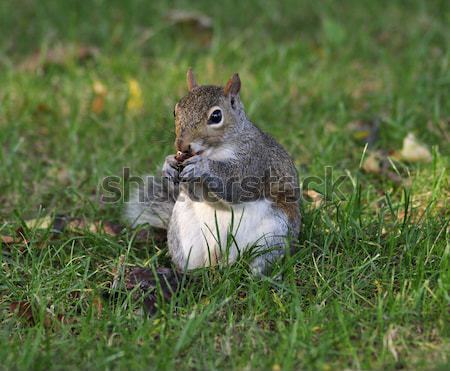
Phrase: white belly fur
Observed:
(203, 230)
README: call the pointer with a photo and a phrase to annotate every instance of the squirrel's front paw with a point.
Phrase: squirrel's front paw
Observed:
(194, 168)
(170, 168)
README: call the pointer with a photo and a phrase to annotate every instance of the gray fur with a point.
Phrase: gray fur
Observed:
(256, 155)
(152, 203)
(257, 152)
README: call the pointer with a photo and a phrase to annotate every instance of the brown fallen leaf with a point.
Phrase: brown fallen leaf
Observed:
(158, 235)
(77, 224)
(388, 341)
(371, 163)
(19, 239)
(97, 304)
(378, 163)
(112, 229)
(313, 197)
(23, 310)
(413, 151)
(59, 223)
(99, 88)
(107, 227)
(194, 26)
(60, 173)
(98, 103)
(149, 283)
(42, 108)
(7, 240)
(39, 223)
(58, 55)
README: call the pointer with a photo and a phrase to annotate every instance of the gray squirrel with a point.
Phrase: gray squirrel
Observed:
(230, 187)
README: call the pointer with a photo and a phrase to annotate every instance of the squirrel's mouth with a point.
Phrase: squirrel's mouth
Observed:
(192, 150)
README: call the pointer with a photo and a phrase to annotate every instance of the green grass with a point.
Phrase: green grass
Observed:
(368, 287)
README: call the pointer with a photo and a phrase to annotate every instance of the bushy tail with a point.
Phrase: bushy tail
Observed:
(152, 203)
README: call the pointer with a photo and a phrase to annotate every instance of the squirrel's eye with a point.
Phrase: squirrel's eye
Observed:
(215, 117)
(174, 114)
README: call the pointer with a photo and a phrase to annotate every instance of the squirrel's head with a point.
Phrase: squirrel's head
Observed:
(207, 114)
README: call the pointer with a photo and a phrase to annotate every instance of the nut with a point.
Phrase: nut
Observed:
(183, 156)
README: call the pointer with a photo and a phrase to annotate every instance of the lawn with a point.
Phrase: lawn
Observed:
(87, 88)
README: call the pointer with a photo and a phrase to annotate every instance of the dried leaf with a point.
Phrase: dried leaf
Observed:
(194, 26)
(97, 304)
(39, 223)
(42, 108)
(388, 341)
(315, 198)
(158, 235)
(135, 101)
(7, 240)
(61, 223)
(77, 224)
(188, 17)
(112, 229)
(58, 55)
(377, 163)
(23, 310)
(109, 228)
(60, 173)
(413, 151)
(99, 88)
(147, 281)
(371, 163)
(98, 103)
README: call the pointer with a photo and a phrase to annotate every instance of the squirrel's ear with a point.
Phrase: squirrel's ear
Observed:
(191, 83)
(233, 85)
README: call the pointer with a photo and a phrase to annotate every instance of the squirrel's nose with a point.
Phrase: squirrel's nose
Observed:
(182, 145)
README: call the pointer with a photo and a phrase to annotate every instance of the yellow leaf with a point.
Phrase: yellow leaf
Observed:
(362, 134)
(135, 102)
